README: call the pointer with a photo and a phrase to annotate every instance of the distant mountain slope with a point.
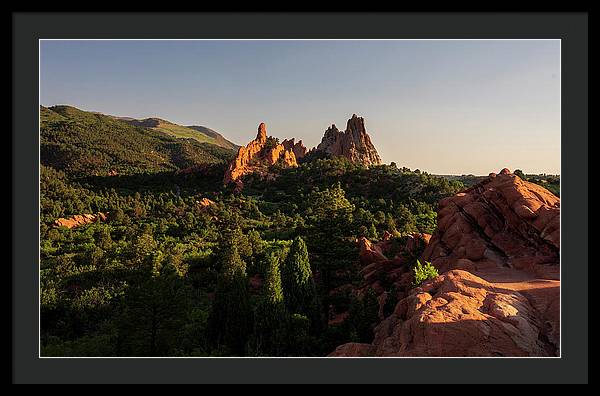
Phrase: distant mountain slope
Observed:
(199, 133)
(221, 141)
(85, 143)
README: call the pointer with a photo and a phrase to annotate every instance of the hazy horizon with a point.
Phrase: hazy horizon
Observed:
(445, 107)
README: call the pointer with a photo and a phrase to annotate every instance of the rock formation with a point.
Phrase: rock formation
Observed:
(79, 220)
(205, 203)
(496, 247)
(460, 314)
(502, 221)
(376, 266)
(354, 143)
(378, 272)
(298, 148)
(257, 156)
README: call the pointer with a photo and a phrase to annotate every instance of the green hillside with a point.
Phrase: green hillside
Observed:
(201, 134)
(220, 140)
(84, 143)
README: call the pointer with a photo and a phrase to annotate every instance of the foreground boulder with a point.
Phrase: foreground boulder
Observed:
(79, 220)
(503, 221)
(354, 143)
(460, 314)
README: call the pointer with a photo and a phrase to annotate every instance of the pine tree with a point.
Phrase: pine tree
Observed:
(298, 283)
(153, 313)
(229, 321)
(270, 314)
(364, 316)
(373, 232)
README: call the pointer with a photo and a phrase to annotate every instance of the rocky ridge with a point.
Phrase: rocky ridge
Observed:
(354, 144)
(501, 222)
(497, 250)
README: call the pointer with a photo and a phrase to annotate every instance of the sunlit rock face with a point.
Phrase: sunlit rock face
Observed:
(461, 314)
(354, 143)
(257, 156)
(79, 220)
(504, 222)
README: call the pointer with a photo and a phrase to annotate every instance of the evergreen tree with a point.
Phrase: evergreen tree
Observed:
(153, 314)
(364, 316)
(229, 321)
(270, 314)
(330, 222)
(373, 232)
(298, 283)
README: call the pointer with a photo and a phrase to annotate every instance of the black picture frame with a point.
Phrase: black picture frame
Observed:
(571, 28)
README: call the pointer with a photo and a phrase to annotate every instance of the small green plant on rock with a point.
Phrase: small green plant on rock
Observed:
(423, 272)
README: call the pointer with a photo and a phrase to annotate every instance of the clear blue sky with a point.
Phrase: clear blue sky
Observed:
(446, 107)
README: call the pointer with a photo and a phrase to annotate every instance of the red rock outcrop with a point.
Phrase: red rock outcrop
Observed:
(205, 204)
(379, 272)
(354, 143)
(79, 220)
(497, 245)
(460, 314)
(376, 264)
(298, 148)
(502, 221)
(258, 155)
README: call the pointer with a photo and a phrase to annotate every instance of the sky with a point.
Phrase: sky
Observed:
(443, 106)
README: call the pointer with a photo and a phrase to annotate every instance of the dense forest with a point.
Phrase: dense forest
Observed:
(184, 266)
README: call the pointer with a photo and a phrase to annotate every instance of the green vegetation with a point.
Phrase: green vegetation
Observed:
(199, 133)
(423, 272)
(83, 144)
(254, 274)
(229, 321)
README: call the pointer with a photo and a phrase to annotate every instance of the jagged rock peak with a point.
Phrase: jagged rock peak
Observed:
(354, 143)
(356, 124)
(256, 157)
(262, 133)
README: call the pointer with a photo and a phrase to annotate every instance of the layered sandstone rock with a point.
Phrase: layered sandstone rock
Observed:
(460, 314)
(354, 143)
(503, 221)
(497, 249)
(79, 220)
(258, 156)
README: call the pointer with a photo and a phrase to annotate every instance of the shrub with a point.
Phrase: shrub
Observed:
(423, 272)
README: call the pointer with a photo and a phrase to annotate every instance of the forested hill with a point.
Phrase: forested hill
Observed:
(199, 133)
(85, 143)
